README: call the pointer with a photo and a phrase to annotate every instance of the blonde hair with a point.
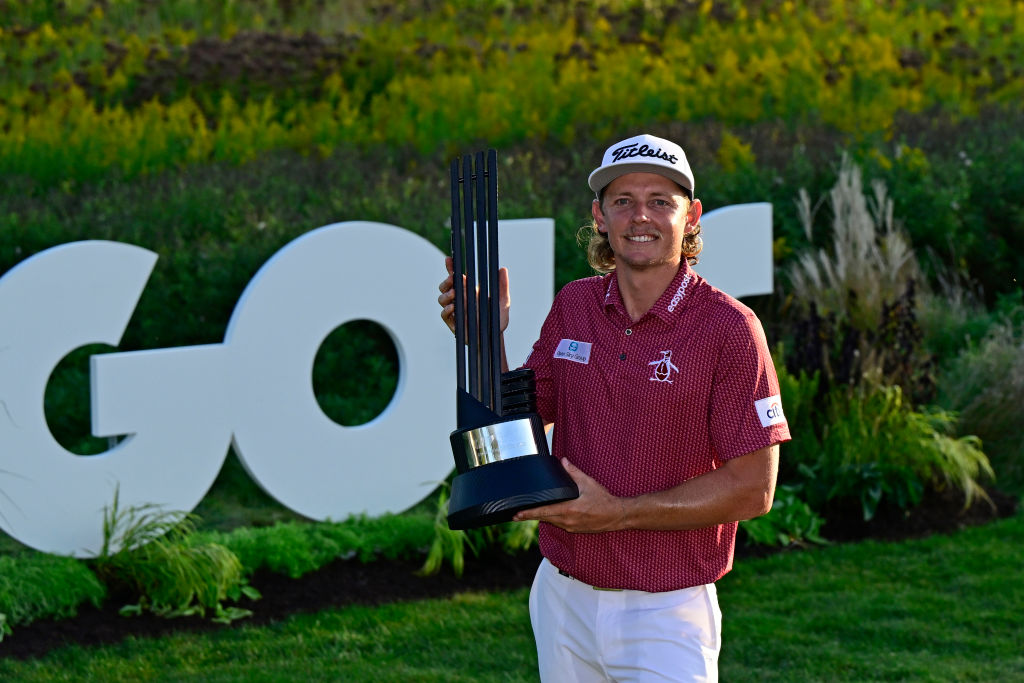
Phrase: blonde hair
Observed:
(602, 259)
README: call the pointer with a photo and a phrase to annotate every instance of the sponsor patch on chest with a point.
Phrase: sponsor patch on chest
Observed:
(769, 410)
(576, 351)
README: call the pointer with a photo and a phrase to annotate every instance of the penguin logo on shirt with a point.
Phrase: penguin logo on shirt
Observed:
(663, 368)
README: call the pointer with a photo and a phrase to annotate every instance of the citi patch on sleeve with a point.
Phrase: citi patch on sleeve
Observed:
(769, 410)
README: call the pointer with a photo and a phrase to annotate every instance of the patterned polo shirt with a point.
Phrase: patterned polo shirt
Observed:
(644, 406)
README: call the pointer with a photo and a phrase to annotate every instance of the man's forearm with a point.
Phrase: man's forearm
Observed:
(742, 488)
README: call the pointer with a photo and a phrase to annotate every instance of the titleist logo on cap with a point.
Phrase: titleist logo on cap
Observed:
(635, 150)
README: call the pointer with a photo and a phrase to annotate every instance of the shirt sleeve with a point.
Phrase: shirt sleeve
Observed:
(746, 410)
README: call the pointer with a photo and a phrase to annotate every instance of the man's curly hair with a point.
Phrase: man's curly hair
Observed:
(602, 259)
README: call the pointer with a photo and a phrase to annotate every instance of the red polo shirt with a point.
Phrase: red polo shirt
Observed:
(644, 406)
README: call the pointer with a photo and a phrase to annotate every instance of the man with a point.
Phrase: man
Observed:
(666, 415)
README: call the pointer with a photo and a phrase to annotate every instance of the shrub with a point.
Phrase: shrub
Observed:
(790, 522)
(855, 302)
(869, 261)
(37, 585)
(296, 548)
(800, 399)
(876, 447)
(85, 94)
(985, 383)
(147, 555)
(449, 545)
(953, 315)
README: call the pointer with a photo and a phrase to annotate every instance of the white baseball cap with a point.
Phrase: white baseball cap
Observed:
(643, 154)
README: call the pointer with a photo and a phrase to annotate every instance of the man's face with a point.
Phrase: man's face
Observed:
(645, 216)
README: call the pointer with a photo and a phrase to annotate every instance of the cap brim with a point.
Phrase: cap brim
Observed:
(601, 177)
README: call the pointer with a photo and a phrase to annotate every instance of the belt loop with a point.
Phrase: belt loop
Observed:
(597, 588)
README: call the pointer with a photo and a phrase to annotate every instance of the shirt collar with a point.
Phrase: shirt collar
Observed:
(668, 305)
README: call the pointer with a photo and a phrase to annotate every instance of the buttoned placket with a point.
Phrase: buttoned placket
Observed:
(624, 352)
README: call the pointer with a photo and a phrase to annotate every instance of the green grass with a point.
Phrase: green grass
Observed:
(472, 637)
(945, 608)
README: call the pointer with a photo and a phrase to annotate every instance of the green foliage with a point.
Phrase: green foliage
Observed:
(800, 395)
(147, 554)
(66, 402)
(944, 608)
(985, 384)
(296, 548)
(790, 522)
(115, 116)
(450, 544)
(355, 372)
(89, 93)
(40, 585)
(869, 445)
(953, 316)
(959, 194)
(153, 558)
(855, 301)
(876, 447)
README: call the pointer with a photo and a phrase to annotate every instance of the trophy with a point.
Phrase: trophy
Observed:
(500, 448)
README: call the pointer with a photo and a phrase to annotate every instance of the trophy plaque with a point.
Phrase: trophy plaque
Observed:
(500, 448)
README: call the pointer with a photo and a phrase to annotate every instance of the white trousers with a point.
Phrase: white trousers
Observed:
(586, 634)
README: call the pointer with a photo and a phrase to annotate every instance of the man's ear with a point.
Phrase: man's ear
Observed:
(595, 210)
(693, 214)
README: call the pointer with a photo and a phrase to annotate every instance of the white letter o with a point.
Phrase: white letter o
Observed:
(311, 464)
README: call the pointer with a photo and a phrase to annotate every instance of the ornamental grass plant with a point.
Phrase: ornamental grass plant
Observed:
(868, 260)
(148, 556)
(859, 357)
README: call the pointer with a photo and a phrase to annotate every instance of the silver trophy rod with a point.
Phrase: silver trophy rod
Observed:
(492, 272)
(473, 332)
(459, 269)
(484, 269)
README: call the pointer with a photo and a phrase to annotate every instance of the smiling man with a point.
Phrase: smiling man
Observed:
(666, 415)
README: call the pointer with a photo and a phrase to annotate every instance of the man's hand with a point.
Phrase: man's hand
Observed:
(742, 488)
(447, 297)
(594, 511)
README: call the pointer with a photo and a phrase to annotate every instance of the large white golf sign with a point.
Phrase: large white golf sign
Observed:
(180, 409)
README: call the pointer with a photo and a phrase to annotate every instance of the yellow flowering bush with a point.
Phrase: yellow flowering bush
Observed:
(86, 89)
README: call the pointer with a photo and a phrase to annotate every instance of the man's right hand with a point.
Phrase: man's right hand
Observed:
(447, 297)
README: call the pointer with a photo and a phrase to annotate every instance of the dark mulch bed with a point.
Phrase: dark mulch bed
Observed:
(352, 583)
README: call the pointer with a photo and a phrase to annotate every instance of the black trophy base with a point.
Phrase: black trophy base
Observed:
(493, 493)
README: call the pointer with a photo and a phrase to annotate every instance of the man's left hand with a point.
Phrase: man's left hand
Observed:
(595, 510)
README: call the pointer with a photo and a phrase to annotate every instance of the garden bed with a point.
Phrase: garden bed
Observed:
(350, 582)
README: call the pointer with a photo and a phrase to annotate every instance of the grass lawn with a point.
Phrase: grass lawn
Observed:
(947, 608)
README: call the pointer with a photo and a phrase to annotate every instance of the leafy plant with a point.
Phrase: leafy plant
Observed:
(296, 548)
(869, 483)
(790, 522)
(40, 585)
(147, 554)
(985, 383)
(800, 399)
(876, 447)
(451, 544)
